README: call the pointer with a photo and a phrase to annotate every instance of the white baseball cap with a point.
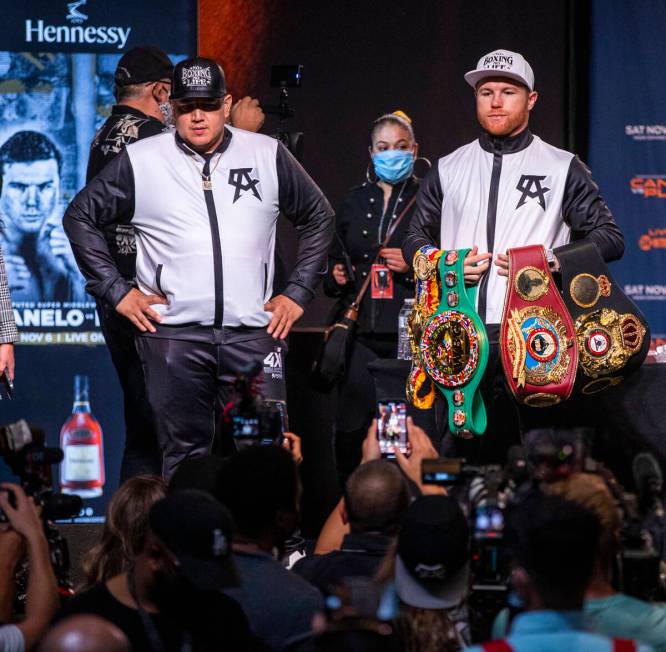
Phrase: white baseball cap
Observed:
(502, 63)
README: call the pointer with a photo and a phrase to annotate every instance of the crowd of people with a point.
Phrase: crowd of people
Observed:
(198, 549)
(209, 561)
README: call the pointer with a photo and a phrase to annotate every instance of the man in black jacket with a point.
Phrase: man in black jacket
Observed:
(142, 87)
(507, 189)
(204, 203)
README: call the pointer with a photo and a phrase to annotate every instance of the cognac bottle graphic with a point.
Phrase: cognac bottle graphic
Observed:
(82, 469)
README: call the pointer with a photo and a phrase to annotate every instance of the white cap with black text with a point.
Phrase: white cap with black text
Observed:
(502, 63)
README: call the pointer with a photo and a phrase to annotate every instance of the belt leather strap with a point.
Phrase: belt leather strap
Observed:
(454, 348)
(613, 335)
(537, 338)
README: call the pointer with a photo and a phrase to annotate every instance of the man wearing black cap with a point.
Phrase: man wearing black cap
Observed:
(142, 87)
(170, 599)
(204, 204)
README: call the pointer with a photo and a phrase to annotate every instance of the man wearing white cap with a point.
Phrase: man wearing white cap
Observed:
(507, 189)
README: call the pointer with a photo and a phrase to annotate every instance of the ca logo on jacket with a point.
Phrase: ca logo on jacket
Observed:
(531, 188)
(241, 180)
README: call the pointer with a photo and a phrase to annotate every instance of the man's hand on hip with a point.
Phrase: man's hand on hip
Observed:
(135, 305)
(285, 313)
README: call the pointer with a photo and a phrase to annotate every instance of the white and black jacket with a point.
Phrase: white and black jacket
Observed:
(499, 193)
(208, 251)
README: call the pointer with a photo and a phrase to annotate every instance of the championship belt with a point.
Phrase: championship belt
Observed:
(613, 335)
(454, 348)
(420, 388)
(538, 342)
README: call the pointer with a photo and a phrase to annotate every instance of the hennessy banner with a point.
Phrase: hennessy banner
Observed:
(57, 67)
(627, 150)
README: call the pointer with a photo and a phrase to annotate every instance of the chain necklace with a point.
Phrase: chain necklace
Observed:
(206, 181)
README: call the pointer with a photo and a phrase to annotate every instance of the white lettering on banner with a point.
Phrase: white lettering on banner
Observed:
(646, 132)
(646, 292)
(49, 317)
(41, 33)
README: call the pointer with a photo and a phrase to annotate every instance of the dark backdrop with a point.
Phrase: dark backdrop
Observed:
(363, 59)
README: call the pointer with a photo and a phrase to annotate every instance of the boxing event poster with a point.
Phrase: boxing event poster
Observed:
(627, 151)
(56, 90)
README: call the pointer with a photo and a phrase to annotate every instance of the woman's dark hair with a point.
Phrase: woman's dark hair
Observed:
(124, 530)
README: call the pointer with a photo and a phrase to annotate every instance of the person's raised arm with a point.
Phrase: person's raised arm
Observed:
(42, 593)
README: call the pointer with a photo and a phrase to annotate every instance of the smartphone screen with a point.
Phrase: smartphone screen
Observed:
(245, 426)
(392, 427)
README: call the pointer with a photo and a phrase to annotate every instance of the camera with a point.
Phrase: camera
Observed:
(285, 77)
(252, 419)
(23, 449)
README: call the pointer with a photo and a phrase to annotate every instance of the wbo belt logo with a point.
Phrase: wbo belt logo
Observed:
(651, 187)
(530, 187)
(241, 180)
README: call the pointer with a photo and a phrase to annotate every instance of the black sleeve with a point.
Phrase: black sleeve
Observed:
(424, 227)
(585, 211)
(107, 199)
(338, 253)
(304, 205)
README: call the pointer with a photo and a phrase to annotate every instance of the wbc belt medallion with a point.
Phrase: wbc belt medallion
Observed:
(453, 348)
(613, 336)
(539, 352)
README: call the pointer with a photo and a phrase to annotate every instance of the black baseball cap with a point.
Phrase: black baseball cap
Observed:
(143, 64)
(432, 568)
(198, 77)
(197, 530)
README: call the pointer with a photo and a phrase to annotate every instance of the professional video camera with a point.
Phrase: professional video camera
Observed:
(285, 77)
(23, 449)
(250, 418)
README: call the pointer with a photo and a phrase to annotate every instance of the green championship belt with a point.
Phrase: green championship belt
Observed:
(454, 348)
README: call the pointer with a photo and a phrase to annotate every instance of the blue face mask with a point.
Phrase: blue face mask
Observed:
(393, 165)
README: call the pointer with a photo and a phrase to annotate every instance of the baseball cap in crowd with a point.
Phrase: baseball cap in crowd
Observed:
(197, 530)
(198, 77)
(143, 64)
(432, 564)
(502, 63)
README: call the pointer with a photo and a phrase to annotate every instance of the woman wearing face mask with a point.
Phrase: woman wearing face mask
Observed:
(363, 220)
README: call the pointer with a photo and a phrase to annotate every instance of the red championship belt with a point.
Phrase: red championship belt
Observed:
(538, 340)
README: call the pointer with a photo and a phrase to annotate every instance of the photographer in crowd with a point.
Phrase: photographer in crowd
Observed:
(553, 543)
(376, 496)
(24, 530)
